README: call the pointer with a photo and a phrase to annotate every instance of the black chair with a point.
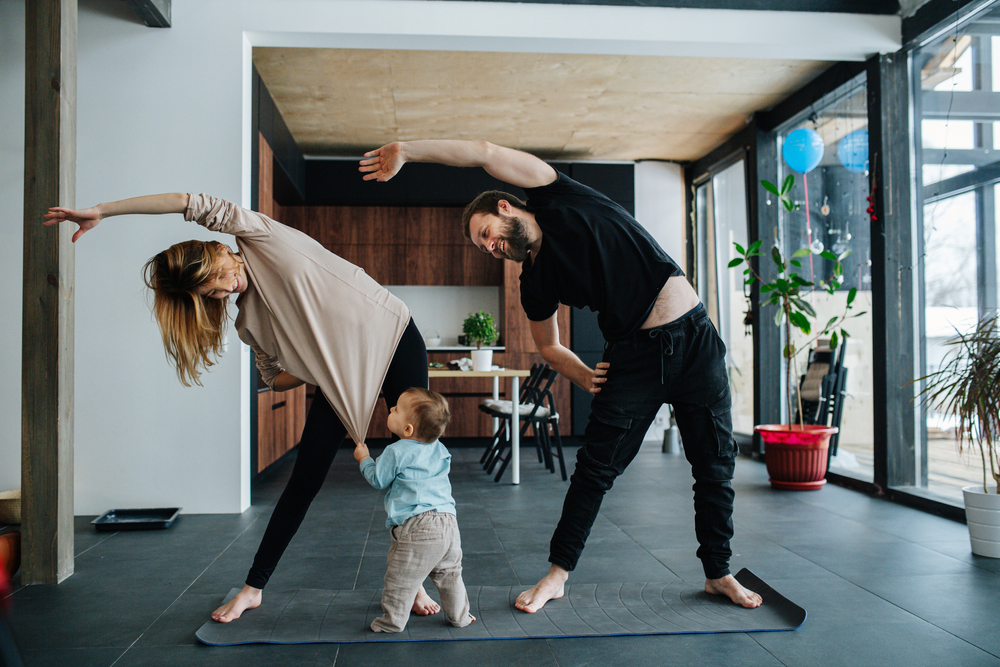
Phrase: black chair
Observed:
(496, 444)
(823, 388)
(537, 410)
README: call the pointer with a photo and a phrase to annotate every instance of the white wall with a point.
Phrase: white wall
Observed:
(168, 110)
(158, 110)
(443, 309)
(11, 235)
(169, 121)
(659, 206)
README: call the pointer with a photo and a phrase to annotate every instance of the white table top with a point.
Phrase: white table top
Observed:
(446, 373)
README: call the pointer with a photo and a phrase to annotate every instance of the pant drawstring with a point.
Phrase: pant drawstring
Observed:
(660, 334)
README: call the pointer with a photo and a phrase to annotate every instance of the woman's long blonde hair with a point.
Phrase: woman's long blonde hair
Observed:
(192, 325)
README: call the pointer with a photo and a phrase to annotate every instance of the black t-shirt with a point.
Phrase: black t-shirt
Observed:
(595, 255)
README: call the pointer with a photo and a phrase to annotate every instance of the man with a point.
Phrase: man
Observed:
(578, 247)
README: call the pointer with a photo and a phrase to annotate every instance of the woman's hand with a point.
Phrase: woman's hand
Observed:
(383, 163)
(360, 451)
(599, 377)
(86, 218)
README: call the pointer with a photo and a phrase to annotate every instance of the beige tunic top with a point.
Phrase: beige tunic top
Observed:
(309, 311)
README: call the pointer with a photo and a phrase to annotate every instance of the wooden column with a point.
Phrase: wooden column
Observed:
(47, 324)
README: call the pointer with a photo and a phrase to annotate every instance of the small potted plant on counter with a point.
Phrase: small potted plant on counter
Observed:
(968, 387)
(480, 329)
(795, 454)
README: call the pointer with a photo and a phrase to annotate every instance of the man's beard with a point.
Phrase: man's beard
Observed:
(514, 234)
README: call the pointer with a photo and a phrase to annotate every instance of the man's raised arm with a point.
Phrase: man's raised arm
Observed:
(506, 164)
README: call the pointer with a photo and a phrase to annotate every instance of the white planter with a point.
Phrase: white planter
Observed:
(982, 513)
(482, 360)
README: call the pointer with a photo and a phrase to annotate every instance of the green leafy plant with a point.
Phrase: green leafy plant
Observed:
(479, 328)
(790, 293)
(782, 195)
(968, 387)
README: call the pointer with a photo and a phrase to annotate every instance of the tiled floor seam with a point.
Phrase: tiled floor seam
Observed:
(482, 501)
(928, 621)
(753, 638)
(186, 589)
(364, 549)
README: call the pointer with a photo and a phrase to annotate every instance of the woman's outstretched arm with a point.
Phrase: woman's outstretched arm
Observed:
(88, 218)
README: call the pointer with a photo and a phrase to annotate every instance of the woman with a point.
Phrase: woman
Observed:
(309, 315)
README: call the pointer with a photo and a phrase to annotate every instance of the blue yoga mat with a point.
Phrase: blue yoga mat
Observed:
(586, 610)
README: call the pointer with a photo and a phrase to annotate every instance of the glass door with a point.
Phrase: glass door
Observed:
(721, 213)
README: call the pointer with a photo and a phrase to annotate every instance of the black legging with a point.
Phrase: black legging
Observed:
(321, 438)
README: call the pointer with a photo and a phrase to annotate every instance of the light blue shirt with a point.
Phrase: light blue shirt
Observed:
(416, 474)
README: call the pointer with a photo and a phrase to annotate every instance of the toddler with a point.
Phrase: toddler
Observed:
(422, 522)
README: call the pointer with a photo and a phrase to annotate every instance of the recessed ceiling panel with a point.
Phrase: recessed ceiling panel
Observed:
(346, 101)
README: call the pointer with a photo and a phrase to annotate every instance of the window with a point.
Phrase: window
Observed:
(832, 216)
(957, 112)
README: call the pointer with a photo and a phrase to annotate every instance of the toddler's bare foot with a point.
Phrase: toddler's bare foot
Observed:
(733, 590)
(549, 588)
(248, 598)
(423, 605)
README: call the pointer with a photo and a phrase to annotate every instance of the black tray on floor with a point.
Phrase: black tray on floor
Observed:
(162, 517)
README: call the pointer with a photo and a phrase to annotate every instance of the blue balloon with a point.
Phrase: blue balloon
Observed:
(852, 151)
(803, 150)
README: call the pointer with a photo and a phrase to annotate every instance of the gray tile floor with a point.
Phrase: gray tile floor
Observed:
(883, 584)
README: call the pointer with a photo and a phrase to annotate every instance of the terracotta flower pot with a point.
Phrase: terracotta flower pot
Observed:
(796, 455)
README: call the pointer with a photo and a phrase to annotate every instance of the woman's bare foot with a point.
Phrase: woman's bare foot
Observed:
(733, 590)
(549, 588)
(423, 605)
(248, 598)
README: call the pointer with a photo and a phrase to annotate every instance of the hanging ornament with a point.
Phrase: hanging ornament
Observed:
(803, 150)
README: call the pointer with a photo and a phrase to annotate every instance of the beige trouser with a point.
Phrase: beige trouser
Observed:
(425, 545)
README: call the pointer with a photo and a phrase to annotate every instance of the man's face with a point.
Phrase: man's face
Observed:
(503, 236)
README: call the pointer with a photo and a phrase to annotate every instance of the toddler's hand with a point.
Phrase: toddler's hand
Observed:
(360, 451)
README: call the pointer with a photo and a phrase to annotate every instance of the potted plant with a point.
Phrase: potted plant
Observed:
(480, 329)
(795, 454)
(968, 387)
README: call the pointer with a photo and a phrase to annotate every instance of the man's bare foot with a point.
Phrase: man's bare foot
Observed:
(248, 598)
(733, 590)
(423, 605)
(549, 588)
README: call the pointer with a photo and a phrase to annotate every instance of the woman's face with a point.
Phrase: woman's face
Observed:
(229, 276)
